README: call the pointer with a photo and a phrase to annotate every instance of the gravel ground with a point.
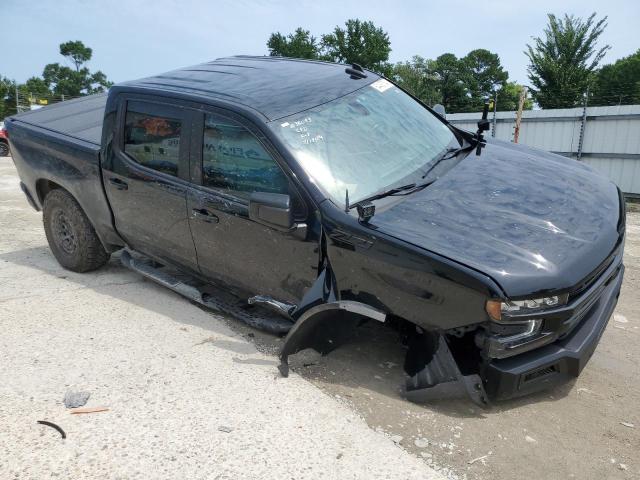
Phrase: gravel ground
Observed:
(187, 396)
(588, 429)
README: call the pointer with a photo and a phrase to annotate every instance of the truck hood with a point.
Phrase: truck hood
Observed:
(531, 220)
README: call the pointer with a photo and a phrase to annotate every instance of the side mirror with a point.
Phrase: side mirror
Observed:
(439, 109)
(271, 209)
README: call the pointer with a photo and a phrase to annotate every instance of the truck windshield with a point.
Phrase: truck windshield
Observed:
(365, 142)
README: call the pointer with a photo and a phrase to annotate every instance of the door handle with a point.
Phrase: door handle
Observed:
(205, 215)
(119, 184)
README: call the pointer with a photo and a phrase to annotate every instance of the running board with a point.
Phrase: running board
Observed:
(190, 290)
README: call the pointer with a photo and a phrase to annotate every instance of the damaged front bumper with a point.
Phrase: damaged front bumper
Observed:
(558, 362)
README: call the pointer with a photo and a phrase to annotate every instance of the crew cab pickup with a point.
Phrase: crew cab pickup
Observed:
(315, 196)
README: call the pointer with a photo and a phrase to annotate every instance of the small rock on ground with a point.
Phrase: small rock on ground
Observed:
(75, 399)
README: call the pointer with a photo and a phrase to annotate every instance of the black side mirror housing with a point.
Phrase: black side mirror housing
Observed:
(271, 209)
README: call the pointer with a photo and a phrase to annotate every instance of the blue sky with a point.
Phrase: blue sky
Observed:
(136, 38)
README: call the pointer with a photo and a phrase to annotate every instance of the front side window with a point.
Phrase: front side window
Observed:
(153, 141)
(365, 142)
(234, 160)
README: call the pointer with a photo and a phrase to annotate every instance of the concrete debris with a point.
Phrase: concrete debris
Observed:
(620, 318)
(225, 429)
(471, 462)
(396, 438)
(530, 439)
(622, 466)
(421, 442)
(627, 424)
(75, 399)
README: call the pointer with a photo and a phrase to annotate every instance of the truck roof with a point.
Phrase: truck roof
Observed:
(274, 86)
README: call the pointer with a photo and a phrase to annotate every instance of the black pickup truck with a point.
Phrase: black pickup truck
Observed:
(312, 197)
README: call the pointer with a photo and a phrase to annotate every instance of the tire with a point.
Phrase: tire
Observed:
(4, 149)
(72, 238)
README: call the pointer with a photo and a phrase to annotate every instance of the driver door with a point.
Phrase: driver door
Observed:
(229, 162)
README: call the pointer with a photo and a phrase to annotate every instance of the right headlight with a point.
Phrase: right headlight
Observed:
(495, 308)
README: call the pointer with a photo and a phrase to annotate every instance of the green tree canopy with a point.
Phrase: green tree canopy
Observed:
(77, 52)
(509, 97)
(300, 44)
(359, 42)
(7, 97)
(563, 61)
(418, 78)
(454, 91)
(483, 74)
(618, 83)
(63, 80)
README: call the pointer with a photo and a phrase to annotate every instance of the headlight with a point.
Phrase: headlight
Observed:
(496, 307)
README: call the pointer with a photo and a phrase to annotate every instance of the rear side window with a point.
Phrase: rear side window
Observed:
(153, 141)
(234, 160)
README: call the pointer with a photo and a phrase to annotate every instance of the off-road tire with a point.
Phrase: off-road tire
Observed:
(71, 236)
(4, 149)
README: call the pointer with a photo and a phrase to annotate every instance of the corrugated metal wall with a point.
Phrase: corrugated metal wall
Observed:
(611, 138)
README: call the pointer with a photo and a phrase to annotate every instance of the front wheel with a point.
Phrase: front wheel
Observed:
(4, 149)
(71, 236)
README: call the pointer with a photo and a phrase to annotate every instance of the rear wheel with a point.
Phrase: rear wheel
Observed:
(4, 149)
(71, 236)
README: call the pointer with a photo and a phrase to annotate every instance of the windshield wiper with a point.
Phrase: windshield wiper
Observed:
(393, 192)
(448, 154)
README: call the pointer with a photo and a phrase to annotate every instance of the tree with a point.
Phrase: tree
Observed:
(7, 97)
(62, 80)
(618, 83)
(509, 96)
(418, 78)
(300, 44)
(563, 62)
(77, 52)
(359, 42)
(455, 95)
(483, 75)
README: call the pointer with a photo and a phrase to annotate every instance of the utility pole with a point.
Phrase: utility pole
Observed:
(495, 108)
(523, 97)
(17, 101)
(583, 123)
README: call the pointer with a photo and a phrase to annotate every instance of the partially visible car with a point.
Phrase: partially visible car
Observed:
(4, 141)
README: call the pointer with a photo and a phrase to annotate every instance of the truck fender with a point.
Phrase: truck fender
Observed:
(325, 327)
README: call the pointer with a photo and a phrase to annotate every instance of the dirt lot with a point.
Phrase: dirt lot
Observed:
(588, 429)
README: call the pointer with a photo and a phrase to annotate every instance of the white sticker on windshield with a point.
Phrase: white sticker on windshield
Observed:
(382, 85)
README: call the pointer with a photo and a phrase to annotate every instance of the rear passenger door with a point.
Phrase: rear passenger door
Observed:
(146, 179)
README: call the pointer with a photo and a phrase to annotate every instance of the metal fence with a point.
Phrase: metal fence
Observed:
(610, 137)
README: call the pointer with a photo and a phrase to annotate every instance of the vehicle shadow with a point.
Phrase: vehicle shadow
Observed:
(370, 364)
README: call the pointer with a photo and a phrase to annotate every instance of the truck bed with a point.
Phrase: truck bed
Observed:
(80, 118)
(59, 147)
